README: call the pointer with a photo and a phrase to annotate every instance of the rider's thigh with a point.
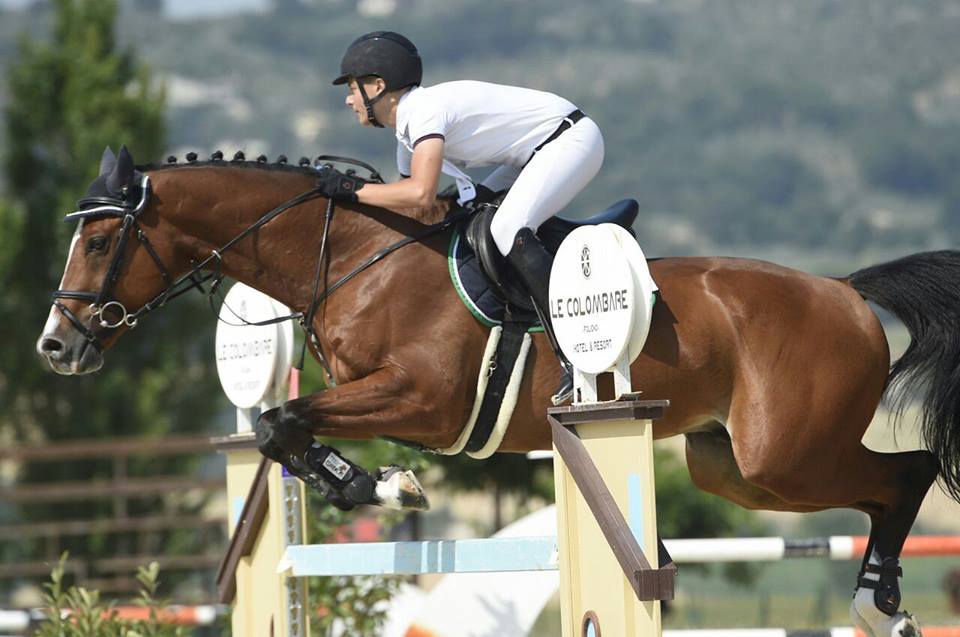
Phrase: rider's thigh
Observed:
(554, 176)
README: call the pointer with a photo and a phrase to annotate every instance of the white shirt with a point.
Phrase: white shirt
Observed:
(482, 124)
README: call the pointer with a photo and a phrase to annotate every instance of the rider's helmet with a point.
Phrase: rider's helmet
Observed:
(385, 54)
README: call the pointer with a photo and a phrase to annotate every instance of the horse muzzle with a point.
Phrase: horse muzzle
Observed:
(69, 353)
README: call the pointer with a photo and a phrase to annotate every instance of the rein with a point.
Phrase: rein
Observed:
(120, 207)
(307, 322)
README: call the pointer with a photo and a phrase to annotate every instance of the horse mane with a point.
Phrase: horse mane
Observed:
(232, 163)
(445, 202)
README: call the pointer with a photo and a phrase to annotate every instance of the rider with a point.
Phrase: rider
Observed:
(545, 151)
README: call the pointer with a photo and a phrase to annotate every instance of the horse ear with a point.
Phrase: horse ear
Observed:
(122, 174)
(107, 161)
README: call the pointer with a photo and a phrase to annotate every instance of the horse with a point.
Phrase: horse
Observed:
(773, 374)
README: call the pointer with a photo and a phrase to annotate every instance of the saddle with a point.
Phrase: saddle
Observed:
(491, 290)
(503, 282)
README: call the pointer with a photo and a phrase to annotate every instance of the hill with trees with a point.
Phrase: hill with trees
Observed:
(824, 133)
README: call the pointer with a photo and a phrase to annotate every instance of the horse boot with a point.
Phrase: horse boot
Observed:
(875, 608)
(391, 487)
(532, 263)
(273, 444)
(342, 482)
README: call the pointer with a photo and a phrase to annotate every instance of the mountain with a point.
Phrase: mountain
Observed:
(821, 133)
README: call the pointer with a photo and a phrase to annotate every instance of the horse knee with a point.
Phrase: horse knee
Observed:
(279, 429)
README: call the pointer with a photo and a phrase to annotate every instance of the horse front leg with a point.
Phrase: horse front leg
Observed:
(353, 410)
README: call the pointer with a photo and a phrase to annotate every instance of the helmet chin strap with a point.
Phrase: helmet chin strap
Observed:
(368, 103)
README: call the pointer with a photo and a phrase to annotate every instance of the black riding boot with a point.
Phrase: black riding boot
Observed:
(532, 262)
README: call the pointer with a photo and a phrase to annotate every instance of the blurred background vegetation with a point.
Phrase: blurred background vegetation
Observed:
(821, 134)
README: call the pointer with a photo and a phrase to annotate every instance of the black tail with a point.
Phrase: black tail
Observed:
(923, 291)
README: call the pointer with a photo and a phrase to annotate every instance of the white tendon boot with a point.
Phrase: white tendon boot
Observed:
(874, 622)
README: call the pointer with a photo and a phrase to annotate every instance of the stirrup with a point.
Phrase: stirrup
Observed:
(564, 391)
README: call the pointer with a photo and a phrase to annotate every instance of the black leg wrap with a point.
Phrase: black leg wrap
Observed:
(886, 591)
(351, 480)
(343, 483)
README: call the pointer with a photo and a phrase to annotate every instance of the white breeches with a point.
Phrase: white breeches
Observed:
(549, 182)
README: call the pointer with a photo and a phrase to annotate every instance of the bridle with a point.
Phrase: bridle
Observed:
(123, 207)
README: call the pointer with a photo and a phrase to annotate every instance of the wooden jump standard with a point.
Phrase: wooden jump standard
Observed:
(607, 578)
(603, 469)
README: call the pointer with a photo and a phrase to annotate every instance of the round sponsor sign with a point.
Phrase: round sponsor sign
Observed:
(643, 287)
(251, 360)
(592, 298)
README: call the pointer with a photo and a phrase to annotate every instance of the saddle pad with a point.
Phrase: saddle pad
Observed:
(474, 289)
(472, 284)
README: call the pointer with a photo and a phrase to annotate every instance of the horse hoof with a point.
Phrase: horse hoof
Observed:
(907, 626)
(902, 624)
(874, 623)
(399, 489)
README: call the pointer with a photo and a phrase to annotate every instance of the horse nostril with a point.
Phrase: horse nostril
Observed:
(50, 345)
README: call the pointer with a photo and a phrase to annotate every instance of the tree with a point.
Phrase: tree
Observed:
(498, 475)
(69, 97)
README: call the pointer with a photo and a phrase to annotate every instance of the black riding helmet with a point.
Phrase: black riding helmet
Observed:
(385, 54)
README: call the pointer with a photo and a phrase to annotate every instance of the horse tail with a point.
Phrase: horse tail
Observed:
(923, 291)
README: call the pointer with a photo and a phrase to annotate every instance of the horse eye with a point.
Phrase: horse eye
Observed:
(97, 243)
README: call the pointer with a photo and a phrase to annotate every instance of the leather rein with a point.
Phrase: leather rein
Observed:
(103, 302)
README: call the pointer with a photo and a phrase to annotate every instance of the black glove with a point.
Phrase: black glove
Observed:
(339, 186)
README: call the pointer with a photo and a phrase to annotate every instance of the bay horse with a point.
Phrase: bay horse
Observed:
(773, 375)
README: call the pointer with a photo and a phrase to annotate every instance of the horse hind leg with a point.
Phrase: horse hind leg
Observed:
(875, 607)
(713, 468)
(889, 487)
(876, 602)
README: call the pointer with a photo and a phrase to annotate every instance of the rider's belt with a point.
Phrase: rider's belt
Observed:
(567, 122)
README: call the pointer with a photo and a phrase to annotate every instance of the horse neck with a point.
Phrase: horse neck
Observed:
(207, 206)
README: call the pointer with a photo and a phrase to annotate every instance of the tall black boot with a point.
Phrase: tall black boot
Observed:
(532, 262)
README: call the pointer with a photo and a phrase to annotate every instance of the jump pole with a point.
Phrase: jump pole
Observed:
(613, 569)
(266, 507)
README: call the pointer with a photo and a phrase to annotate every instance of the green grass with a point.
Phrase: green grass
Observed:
(793, 594)
(803, 594)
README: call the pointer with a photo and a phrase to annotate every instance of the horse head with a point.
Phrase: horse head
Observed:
(146, 235)
(90, 308)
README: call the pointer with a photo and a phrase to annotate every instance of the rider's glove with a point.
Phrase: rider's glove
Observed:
(339, 186)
